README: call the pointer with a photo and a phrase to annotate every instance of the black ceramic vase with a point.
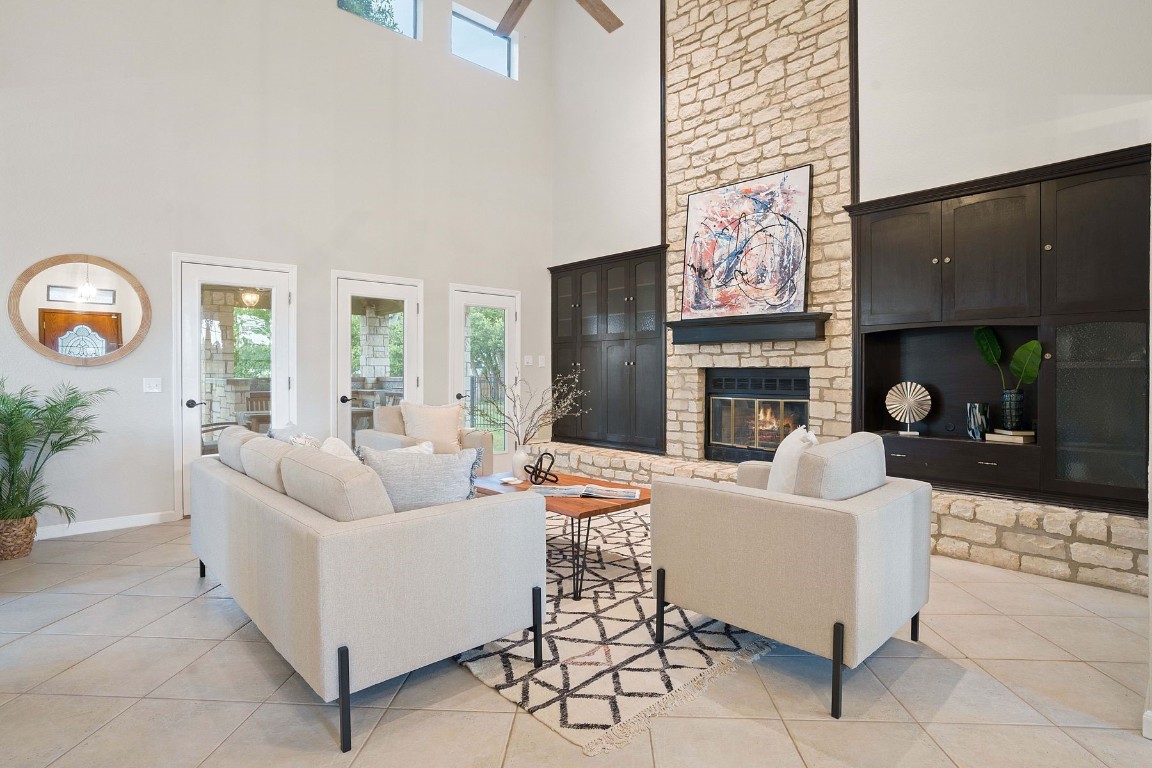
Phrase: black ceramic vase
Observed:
(1012, 409)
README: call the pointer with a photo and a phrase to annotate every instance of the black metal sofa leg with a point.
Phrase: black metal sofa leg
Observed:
(837, 668)
(537, 628)
(202, 571)
(345, 699)
(660, 606)
(916, 628)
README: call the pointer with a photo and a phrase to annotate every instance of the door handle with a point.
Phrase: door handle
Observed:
(190, 403)
(345, 399)
(459, 396)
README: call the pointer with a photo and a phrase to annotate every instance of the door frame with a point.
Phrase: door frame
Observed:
(334, 377)
(178, 261)
(455, 339)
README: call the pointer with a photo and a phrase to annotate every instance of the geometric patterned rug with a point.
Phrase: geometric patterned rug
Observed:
(603, 677)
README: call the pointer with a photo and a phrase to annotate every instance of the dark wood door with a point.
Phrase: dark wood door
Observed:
(1095, 241)
(590, 423)
(103, 332)
(648, 393)
(564, 362)
(1094, 405)
(618, 390)
(990, 245)
(900, 265)
(618, 317)
(564, 326)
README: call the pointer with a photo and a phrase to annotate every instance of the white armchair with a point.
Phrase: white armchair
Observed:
(835, 569)
(388, 432)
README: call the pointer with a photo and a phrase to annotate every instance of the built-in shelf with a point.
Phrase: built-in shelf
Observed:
(789, 326)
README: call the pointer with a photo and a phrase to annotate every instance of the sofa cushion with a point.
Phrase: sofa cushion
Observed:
(439, 424)
(415, 480)
(261, 458)
(388, 418)
(334, 446)
(841, 469)
(333, 486)
(228, 446)
(782, 478)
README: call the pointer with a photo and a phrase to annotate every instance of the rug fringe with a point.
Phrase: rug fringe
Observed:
(621, 734)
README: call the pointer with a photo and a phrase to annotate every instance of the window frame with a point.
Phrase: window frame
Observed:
(417, 19)
(512, 42)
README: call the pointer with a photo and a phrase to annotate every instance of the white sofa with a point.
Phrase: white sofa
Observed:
(834, 569)
(350, 593)
(389, 432)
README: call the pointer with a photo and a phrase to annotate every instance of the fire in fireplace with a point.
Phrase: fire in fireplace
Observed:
(750, 410)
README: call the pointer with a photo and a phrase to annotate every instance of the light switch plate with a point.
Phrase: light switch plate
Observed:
(153, 385)
(540, 361)
(527, 359)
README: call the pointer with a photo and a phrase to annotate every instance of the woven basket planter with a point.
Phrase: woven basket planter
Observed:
(16, 537)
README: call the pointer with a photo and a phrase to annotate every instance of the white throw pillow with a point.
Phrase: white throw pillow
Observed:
(438, 424)
(424, 447)
(305, 441)
(416, 480)
(787, 460)
(334, 446)
(285, 433)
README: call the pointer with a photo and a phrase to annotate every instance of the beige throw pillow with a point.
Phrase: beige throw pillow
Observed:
(334, 446)
(787, 460)
(438, 424)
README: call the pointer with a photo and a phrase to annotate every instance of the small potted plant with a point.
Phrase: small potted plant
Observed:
(1025, 366)
(32, 431)
(525, 412)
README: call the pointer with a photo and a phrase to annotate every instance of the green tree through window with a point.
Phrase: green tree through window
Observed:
(377, 11)
(252, 340)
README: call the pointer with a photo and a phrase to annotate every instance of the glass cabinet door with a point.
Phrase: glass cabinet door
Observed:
(589, 303)
(616, 301)
(1099, 376)
(564, 305)
(645, 299)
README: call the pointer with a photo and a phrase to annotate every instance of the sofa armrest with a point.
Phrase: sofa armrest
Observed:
(478, 438)
(753, 474)
(383, 441)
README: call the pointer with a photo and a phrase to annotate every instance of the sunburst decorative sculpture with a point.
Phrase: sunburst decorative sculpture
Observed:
(908, 402)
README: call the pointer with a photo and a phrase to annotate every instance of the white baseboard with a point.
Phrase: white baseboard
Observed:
(105, 524)
(1148, 724)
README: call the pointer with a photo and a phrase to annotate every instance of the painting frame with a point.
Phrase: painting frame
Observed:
(747, 247)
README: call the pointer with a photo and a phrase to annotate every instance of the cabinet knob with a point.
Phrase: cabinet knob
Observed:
(1047, 355)
(947, 259)
(898, 455)
(988, 463)
(935, 261)
(1048, 246)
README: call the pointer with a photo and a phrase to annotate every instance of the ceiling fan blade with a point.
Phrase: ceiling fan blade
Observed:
(512, 17)
(602, 13)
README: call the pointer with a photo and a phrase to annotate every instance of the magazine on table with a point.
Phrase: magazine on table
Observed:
(590, 491)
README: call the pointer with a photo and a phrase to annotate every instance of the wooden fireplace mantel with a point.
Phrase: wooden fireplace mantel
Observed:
(790, 326)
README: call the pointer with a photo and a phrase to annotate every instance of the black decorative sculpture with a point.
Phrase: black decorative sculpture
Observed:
(539, 474)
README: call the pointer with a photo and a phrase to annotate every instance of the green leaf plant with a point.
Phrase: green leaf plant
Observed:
(1025, 362)
(32, 431)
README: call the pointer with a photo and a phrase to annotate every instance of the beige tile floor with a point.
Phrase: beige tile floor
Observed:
(114, 652)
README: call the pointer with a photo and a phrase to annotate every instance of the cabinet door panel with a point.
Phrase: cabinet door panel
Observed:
(617, 301)
(591, 423)
(564, 362)
(564, 307)
(588, 304)
(618, 390)
(900, 265)
(648, 393)
(646, 298)
(991, 249)
(1092, 220)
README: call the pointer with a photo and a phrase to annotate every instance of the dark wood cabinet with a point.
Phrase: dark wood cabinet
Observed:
(1059, 254)
(1095, 233)
(990, 249)
(617, 342)
(899, 265)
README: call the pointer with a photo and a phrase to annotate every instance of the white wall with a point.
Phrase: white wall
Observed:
(278, 130)
(607, 131)
(956, 91)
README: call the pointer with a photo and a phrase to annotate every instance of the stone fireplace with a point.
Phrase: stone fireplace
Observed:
(748, 411)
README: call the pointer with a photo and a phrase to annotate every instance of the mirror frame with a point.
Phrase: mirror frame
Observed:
(78, 258)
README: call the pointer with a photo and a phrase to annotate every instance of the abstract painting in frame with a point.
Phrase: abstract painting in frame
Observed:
(746, 247)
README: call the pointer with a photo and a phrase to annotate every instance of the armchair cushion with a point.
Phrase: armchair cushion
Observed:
(261, 459)
(333, 486)
(415, 480)
(229, 444)
(438, 423)
(782, 478)
(841, 469)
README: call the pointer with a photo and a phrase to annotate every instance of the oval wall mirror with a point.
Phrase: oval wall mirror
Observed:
(79, 309)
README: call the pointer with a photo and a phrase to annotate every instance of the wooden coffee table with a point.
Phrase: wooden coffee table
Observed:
(579, 510)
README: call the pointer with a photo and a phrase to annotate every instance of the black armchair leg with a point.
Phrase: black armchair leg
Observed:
(660, 606)
(537, 628)
(837, 668)
(345, 699)
(202, 571)
(916, 628)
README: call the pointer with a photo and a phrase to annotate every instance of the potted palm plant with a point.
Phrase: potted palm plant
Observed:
(1025, 366)
(33, 430)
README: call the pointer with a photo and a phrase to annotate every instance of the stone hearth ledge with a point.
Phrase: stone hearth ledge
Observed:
(1059, 542)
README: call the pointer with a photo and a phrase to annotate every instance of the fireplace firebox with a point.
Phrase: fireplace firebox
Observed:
(748, 411)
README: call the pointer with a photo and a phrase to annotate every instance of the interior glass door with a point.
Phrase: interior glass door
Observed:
(377, 348)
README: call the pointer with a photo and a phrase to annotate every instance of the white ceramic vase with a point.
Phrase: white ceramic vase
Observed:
(519, 459)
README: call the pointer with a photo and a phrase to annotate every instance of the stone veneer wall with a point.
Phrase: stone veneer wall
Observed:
(754, 88)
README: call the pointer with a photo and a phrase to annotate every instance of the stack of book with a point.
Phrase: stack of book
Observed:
(1016, 436)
